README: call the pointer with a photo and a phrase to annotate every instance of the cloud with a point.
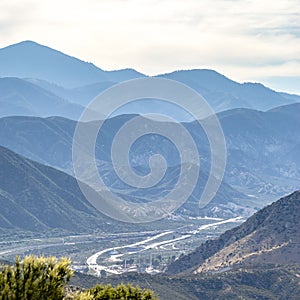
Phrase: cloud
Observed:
(232, 36)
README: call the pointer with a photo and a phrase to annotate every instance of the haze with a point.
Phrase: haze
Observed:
(245, 40)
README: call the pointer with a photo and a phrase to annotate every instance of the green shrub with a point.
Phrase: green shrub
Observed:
(41, 278)
(120, 292)
(35, 278)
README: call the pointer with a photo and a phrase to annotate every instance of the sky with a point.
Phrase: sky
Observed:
(246, 40)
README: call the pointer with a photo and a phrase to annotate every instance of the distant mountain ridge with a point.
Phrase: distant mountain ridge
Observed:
(223, 93)
(49, 141)
(19, 97)
(30, 59)
(37, 198)
(263, 147)
(78, 81)
(270, 236)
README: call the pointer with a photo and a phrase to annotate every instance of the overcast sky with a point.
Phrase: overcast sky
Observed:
(244, 40)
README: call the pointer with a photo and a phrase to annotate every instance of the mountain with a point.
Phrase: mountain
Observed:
(223, 93)
(292, 97)
(38, 198)
(32, 60)
(263, 147)
(270, 236)
(49, 141)
(219, 91)
(81, 95)
(78, 81)
(19, 97)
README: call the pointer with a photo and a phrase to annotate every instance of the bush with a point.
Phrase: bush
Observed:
(40, 278)
(35, 278)
(120, 292)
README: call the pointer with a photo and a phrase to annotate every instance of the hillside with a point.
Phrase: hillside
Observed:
(49, 141)
(270, 236)
(37, 198)
(263, 147)
(259, 282)
(19, 97)
(29, 59)
(223, 93)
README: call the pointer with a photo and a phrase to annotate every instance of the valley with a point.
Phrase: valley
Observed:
(149, 251)
(243, 243)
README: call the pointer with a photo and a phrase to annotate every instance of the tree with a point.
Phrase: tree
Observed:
(35, 278)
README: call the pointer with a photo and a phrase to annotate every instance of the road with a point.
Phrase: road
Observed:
(149, 243)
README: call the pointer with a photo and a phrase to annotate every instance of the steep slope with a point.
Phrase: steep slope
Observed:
(49, 141)
(270, 236)
(32, 60)
(19, 97)
(38, 198)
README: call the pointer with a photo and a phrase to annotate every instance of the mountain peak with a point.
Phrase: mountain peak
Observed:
(25, 43)
(29, 59)
(28, 45)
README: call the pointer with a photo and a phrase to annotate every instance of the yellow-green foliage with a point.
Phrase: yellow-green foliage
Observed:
(35, 278)
(120, 292)
(45, 278)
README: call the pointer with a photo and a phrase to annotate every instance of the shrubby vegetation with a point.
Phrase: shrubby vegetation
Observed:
(41, 278)
(122, 292)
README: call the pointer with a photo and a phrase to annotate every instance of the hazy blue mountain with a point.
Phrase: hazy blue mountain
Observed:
(38, 198)
(270, 236)
(32, 60)
(219, 91)
(19, 97)
(49, 141)
(263, 147)
(292, 97)
(81, 95)
(223, 93)
(79, 81)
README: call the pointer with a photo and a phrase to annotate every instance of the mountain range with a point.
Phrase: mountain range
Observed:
(29, 59)
(37, 198)
(76, 81)
(43, 93)
(262, 147)
(19, 97)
